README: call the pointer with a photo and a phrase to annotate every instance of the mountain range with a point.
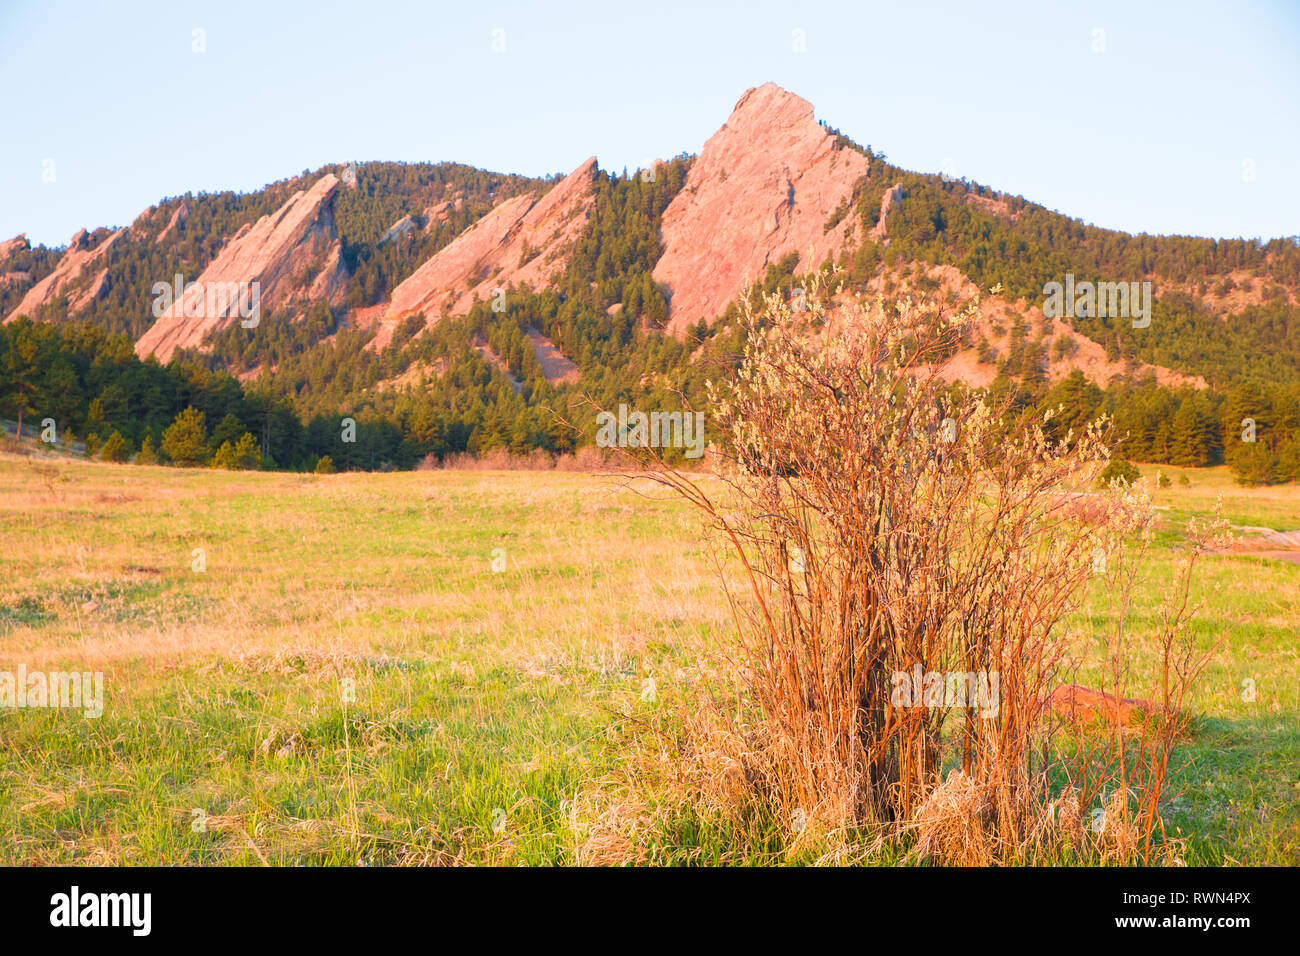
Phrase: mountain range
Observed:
(474, 303)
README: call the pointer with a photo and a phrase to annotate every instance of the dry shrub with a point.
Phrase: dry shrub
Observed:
(1087, 508)
(587, 458)
(882, 523)
(584, 459)
(496, 459)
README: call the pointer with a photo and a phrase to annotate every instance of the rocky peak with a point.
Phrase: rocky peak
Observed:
(892, 195)
(766, 184)
(298, 241)
(75, 261)
(523, 239)
(18, 243)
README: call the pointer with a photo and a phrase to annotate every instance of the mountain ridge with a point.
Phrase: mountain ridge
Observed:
(464, 306)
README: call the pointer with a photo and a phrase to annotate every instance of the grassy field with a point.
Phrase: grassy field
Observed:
(439, 667)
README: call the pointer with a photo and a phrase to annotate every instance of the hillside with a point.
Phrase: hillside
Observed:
(453, 309)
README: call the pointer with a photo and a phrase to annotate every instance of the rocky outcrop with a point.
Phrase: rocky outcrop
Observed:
(522, 240)
(1063, 348)
(98, 287)
(440, 212)
(1083, 705)
(892, 195)
(398, 229)
(292, 249)
(765, 185)
(8, 248)
(18, 243)
(77, 260)
(179, 216)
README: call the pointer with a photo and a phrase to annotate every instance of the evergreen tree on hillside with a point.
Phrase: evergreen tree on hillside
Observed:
(18, 372)
(1079, 404)
(242, 455)
(1191, 441)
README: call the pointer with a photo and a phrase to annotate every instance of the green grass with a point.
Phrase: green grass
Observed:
(486, 703)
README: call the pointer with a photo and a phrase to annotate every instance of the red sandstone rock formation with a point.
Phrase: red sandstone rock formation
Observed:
(522, 240)
(995, 313)
(74, 262)
(98, 286)
(892, 195)
(1087, 706)
(764, 185)
(397, 230)
(180, 215)
(437, 213)
(278, 252)
(17, 244)
(7, 249)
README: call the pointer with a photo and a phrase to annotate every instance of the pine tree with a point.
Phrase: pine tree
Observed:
(1189, 443)
(148, 452)
(224, 457)
(185, 441)
(116, 448)
(19, 370)
(247, 455)
(228, 430)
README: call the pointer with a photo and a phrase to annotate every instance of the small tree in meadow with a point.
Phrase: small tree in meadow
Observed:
(241, 456)
(185, 440)
(148, 454)
(116, 448)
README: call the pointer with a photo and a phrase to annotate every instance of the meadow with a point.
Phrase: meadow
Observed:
(453, 666)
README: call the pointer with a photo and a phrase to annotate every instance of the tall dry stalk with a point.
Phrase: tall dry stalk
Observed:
(1119, 767)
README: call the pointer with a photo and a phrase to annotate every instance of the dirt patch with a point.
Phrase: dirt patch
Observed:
(556, 369)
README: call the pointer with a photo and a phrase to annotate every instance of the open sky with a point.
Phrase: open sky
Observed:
(1175, 117)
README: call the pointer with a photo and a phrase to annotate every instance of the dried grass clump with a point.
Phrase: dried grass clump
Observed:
(883, 522)
(585, 459)
(1118, 833)
(952, 822)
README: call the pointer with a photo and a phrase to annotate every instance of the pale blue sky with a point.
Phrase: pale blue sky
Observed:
(1149, 135)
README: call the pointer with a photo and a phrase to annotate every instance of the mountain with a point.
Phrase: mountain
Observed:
(765, 185)
(78, 276)
(522, 240)
(291, 253)
(459, 308)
